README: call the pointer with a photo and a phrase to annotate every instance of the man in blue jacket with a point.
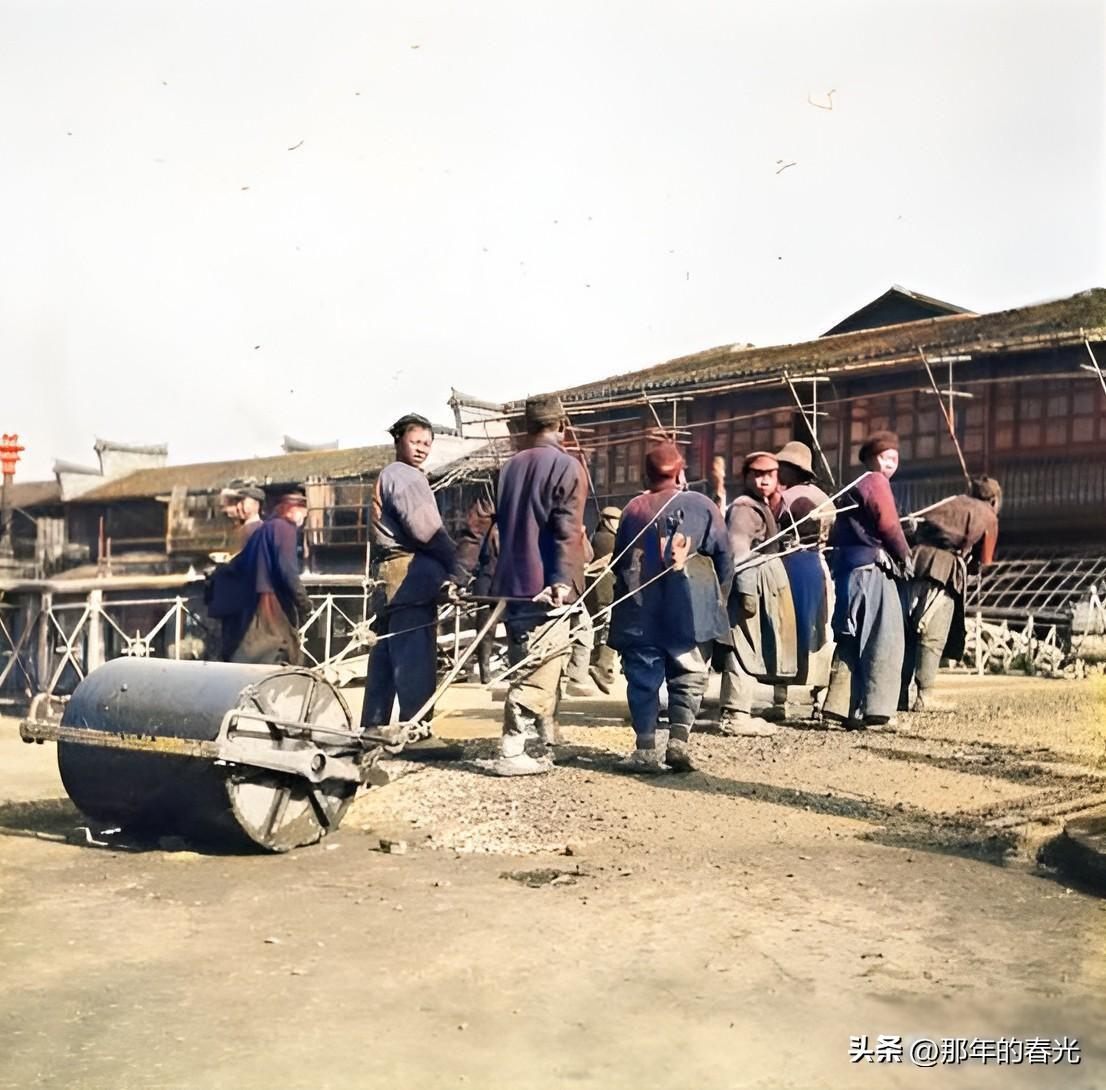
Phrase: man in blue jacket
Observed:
(540, 515)
(274, 602)
(673, 611)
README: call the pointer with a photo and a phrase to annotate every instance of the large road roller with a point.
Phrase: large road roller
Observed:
(226, 755)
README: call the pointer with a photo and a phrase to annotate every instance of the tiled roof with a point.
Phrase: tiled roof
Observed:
(26, 494)
(295, 468)
(1068, 318)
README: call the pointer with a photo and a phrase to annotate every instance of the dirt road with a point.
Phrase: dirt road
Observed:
(730, 928)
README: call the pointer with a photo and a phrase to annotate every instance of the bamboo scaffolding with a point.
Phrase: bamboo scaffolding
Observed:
(812, 424)
(1097, 369)
(948, 419)
(584, 462)
(703, 389)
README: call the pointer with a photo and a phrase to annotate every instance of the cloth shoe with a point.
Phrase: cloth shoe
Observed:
(743, 725)
(647, 761)
(924, 702)
(845, 723)
(603, 682)
(678, 756)
(579, 688)
(885, 723)
(521, 765)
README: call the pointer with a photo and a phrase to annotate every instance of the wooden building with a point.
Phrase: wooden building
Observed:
(162, 519)
(172, 516)
(38, 527)
(1027, 403)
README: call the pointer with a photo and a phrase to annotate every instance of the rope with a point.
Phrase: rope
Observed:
(926, 510)
(429, 624)
(750, 560)
(811, 513)
(607, 609)
(578, 605)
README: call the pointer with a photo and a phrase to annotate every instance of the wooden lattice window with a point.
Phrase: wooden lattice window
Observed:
(635, 463)
(619, 464)
(1045, 415)
(599, 469)
(1088, 413)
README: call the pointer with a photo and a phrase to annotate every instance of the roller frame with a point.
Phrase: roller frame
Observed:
(232, 747)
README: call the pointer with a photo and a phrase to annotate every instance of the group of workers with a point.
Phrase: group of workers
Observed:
(782, 585)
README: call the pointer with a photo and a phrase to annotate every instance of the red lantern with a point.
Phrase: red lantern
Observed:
(9, 454)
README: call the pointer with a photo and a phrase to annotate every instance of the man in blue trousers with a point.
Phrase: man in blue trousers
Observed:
(413, 557)
(871, 561)
(676, 561)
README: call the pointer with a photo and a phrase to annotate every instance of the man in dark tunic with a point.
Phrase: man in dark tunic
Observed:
(478, 551)
(413, 557)
(276, 603)
(871, 561)
(603, 659)
(228, 595)
(960, 531)
(577, 679)
(810, 511)
(667, 625)
(540, 515)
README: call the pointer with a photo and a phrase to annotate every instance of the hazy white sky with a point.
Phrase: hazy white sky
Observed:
(503, 196)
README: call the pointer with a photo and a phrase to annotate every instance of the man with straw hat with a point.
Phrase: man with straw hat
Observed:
(811, 586)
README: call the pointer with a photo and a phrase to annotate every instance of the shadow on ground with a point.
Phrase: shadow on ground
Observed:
(53, 818)
(896, 825)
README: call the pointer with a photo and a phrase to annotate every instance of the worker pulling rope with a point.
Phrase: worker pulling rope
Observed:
(557, 614)
(541, 654)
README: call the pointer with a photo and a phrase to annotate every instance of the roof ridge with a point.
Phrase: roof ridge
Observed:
(1085, 310)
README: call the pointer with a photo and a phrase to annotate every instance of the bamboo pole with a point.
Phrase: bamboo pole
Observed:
(1097, 368)
(583, 462)
(948, 419)
(812, 426)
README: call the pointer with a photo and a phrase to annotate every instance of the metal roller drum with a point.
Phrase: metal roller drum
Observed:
(232, 756)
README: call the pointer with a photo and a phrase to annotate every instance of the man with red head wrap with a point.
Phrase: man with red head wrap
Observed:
(676, 560)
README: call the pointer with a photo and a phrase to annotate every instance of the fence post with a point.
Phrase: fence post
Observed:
(979, 643)
(178, 626)
(43, 658)
(94, 649)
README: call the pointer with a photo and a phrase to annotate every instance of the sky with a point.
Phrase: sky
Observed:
(224, 222)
